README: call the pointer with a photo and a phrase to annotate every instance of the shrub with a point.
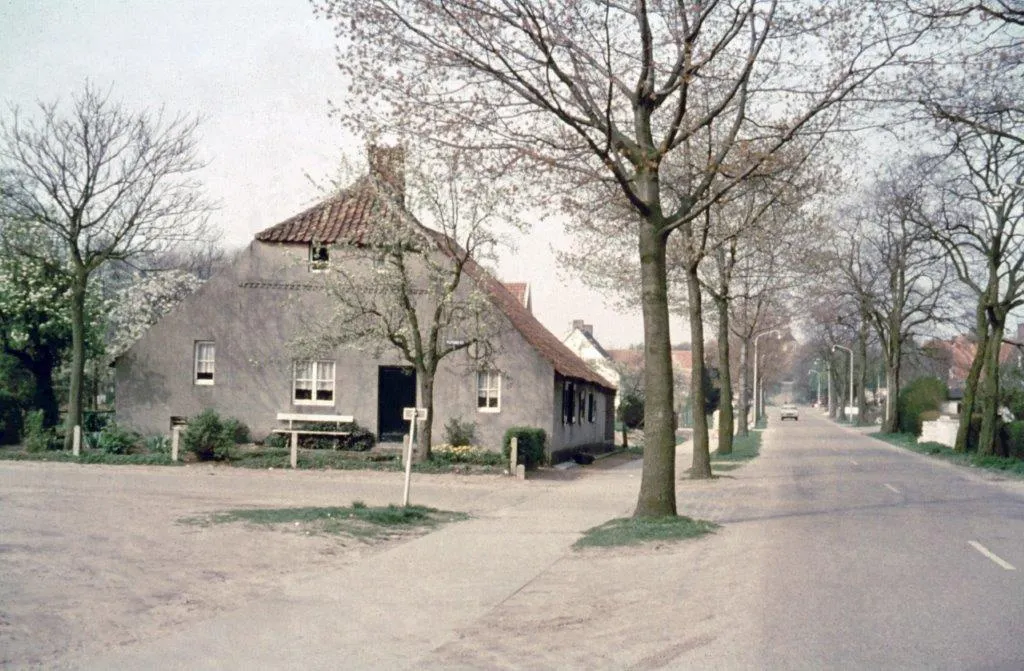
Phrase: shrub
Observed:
(238, 430)
(929, 415)
(921, 395)
(530, 444)
(1012, 439)
(631, 410)
(117, 440)
(208, 437)
(11, 423)
(37, 439)
(458, 433)
(94, 421)
(466, 454)
(157, 444)
(360, 440)
(276, 440)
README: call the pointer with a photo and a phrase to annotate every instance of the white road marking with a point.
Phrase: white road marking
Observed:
(854, 462)
(988, 553)
(891, 488)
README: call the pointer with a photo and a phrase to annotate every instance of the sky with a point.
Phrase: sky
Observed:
(260, 76)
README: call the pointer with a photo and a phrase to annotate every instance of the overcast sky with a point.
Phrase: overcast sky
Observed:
(260, 79)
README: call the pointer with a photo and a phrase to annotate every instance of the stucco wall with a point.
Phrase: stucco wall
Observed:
(262, 301)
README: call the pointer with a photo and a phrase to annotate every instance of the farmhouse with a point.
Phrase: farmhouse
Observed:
(229, 347)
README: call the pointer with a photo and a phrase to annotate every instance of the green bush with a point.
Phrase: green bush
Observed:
(208, 437)
(11, 422)
(631, 410)
(37, 439)
(360, 440)
(94, 421)
(1011, 436)
(238, 430)
(530, 445)
(157, 444)
(115, 439)
(276, 440)
(929, 415)
(921, 395)
(458, 433)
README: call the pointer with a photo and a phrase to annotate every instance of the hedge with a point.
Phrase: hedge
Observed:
(920, 396)
(531, 443)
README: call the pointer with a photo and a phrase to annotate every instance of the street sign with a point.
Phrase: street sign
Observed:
(418, 413)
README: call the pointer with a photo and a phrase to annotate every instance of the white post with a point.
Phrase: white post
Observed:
(295, 449)
(408, 461)
(513, 455)
(76, 440)
(175, 440)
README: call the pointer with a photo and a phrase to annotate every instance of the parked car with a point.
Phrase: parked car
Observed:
(789, 411)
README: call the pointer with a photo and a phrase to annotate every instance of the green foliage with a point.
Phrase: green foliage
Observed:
(639, 530)
(238, 430)
(921, 395)
(277, 440)
(208, 437)
(11, 422)
(459, 433)
(466, 454)
(157, 444)
(631, 410)
(37, 439)
(712, 389)
(1012, 439)
(117, 440)
(531, 443)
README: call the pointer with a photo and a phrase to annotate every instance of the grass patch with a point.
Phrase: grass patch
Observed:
(626, 531)
(1004, 465)
(358, 520)
(88, 457)
(744, 448)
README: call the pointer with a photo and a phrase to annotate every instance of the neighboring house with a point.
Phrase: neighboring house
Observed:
(632, 359)
(226, 347)
(951, 359)
(582, 342)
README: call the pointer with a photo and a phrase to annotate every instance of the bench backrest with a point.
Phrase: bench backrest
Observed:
(303, 417)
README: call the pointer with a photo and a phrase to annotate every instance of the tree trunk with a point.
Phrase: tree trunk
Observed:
(973, 375)
(862, 354)
(990, 386)
(657, 485)
(744, 409)
(701, 469)
(725, 419)
(893, 347)
(74, 416)
(425, 429)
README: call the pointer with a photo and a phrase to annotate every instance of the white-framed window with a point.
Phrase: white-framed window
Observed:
(319, 257)
(313, 383)
(202, 370)
(488, 391)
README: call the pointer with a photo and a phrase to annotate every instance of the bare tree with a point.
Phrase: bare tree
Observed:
(417, 291)
(980, 222)
(109, 183)
(652, 99)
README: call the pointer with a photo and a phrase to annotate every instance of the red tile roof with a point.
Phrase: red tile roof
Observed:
(681, 358)
(345, 219)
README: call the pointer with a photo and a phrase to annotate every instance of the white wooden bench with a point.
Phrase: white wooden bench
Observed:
(297, 419)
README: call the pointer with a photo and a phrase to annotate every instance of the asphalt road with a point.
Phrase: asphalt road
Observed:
(836, 551)
(866, 556)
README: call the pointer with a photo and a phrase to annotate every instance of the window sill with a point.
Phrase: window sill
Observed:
(490, 411)
(203, 383)
(320, 403)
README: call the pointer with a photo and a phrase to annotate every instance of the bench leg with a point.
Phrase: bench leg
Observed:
(295, 449)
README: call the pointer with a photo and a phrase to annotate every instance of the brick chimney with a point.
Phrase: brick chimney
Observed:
(388, 165)
(585, 328)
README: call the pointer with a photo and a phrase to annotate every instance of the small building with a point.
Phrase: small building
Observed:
(227, 347)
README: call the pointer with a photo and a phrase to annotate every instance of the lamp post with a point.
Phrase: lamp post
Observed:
(834, 348)
(817, 374)
(757, 405)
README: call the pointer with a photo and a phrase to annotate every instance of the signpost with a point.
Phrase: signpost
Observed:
(411, 415)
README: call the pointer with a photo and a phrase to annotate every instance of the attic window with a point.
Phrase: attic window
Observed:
(319, 257)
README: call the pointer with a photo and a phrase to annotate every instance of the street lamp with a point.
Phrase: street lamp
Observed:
(757, 406)
(834, 348)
